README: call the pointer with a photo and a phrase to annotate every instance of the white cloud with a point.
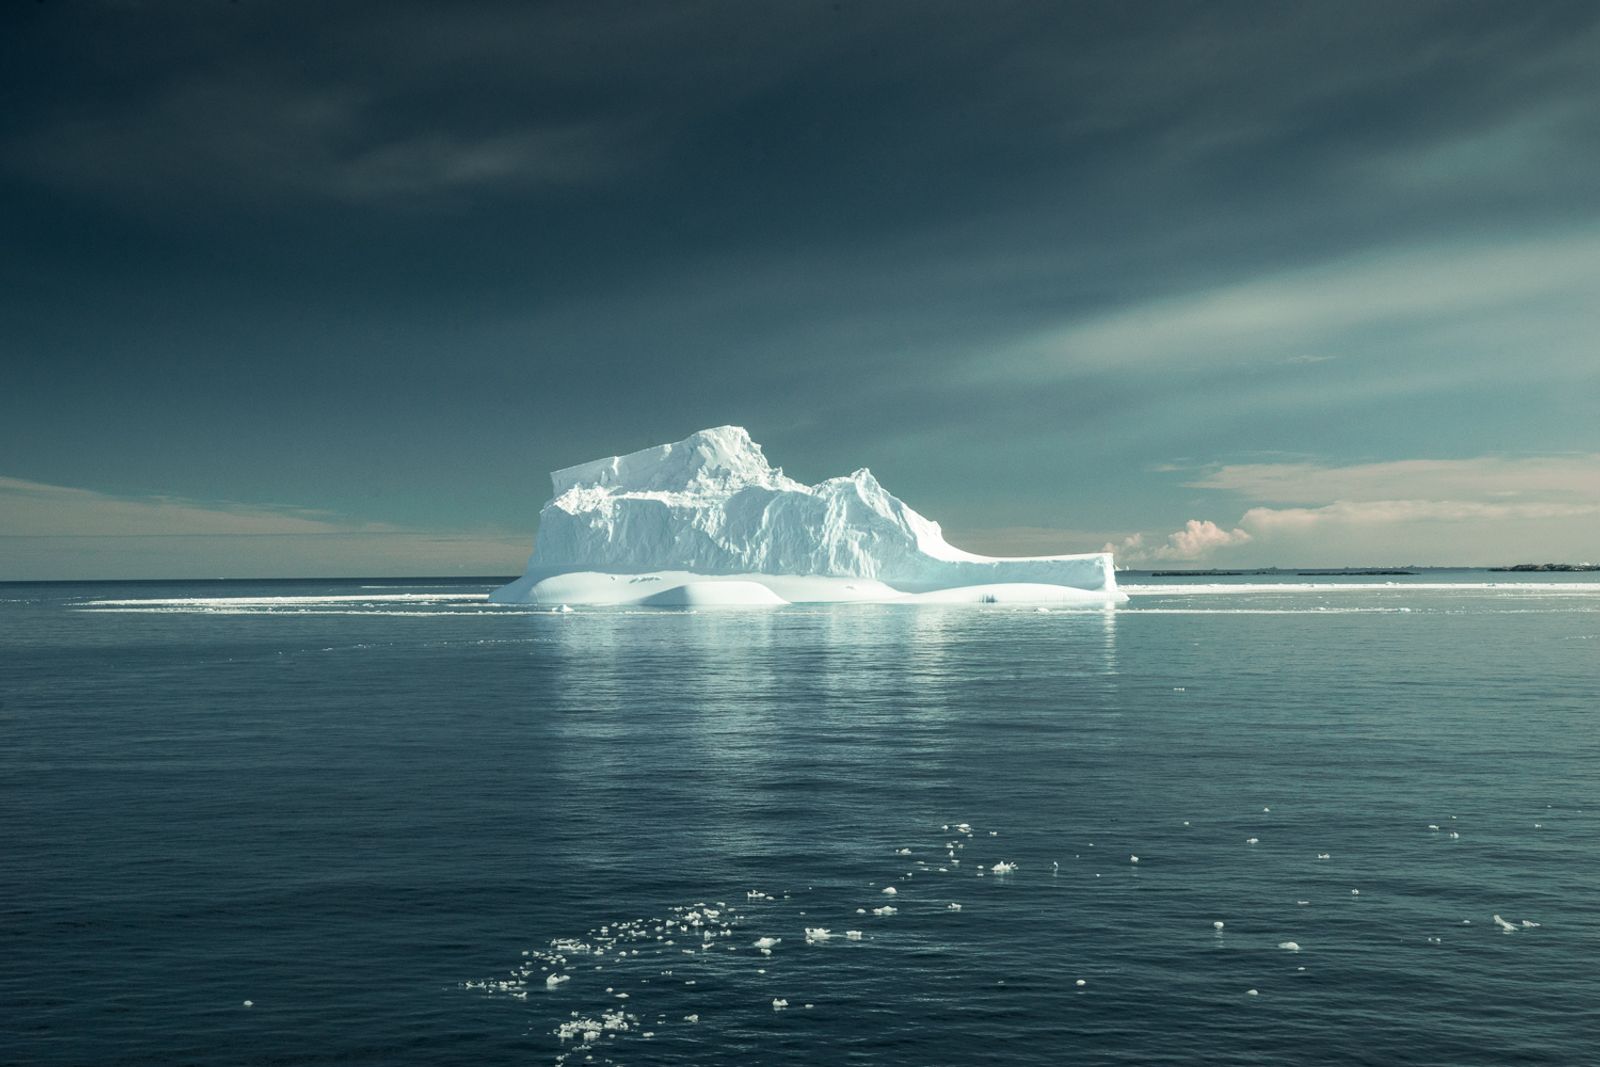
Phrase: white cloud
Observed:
(1198, 539)
(1484, 510)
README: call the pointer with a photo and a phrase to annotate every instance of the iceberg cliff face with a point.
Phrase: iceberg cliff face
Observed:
(712, 506)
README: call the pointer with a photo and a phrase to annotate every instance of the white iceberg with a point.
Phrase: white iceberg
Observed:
(707, 521)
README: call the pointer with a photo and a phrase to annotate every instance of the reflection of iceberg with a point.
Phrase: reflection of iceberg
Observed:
(708, 520)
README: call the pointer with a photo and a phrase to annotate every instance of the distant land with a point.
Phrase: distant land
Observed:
(1321, 572)
(1550, 567)
(1408, 569)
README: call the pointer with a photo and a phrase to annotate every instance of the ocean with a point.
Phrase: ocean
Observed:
(382, 822)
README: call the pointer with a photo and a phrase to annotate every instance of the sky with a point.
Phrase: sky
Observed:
(296, 288)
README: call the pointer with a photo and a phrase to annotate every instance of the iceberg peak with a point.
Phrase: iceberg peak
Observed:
(719, 458)
(712, 506)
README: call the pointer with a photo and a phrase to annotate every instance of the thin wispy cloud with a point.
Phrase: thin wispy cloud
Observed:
(54, 531)
(1353, 304)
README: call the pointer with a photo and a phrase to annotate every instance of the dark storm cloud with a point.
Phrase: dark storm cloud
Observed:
(341, 254)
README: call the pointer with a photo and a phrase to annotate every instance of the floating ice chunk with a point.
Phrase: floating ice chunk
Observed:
(249, 1003)
(765, 944)
(1291, 946)
(555, 980)
(817, 933)
(903, 852)
(692, 1018)
(1433, 826)
(1218, 925)
(1252, 992)
(1003, 867)
(1502, 924)
(778, 1003)
(1324, 855)
(853, 935)
(1355, 892)
(1133, 859)
(1252, 840)
(1080, 983)
(953, 906)
(1529, 924)
(887, 909)
(889, 891)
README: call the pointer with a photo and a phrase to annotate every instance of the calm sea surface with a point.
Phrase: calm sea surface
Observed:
(367, 822)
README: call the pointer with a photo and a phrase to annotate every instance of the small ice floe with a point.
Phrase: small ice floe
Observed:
(1252, 992)
(1529, 924)
(1252, 840)
(1433, 826)
(1324, 855)
(766, 944)
(1219, 924)
(778, 1003)
(963, 828)
(249, 1003)
(756, 894)
(1454, 835)
(817, 933)
(1266, 809)
(1502, 924)
(889, 890)
(555, 980)
(1003, 867)
(1055, 866)
(692, 1018)
(994, 833)
(1133, 859)
(903, 852)
(952, 906)
(1435, 940)
(1355, 892)
(886, 910)
(852, 935)
(1289, 946)
(565, 609)
(1080, 983)
(1302, 903)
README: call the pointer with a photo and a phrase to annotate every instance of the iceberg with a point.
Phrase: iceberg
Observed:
(708, 521)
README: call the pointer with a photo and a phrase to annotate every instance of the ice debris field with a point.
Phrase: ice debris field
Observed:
(679, 976)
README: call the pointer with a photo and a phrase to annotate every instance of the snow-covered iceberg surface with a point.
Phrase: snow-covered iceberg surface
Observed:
(709, 521)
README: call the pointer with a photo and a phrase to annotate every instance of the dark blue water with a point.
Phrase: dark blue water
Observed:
(359, 814)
